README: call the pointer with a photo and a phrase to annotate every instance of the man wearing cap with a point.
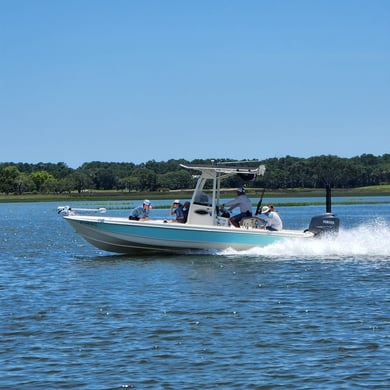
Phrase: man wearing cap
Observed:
(241, 201)
(141, 213)
(273, 221)
(177, 208)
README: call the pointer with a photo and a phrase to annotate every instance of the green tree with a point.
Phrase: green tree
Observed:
(23, 183)
(130, 183)
(105, 179)
(81, 181)
(42, 180)
(8, 179)
(147, 179)
(181, 179)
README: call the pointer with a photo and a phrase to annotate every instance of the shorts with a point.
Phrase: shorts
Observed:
(240, 216)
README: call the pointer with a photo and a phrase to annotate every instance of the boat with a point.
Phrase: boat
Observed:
(207, 227)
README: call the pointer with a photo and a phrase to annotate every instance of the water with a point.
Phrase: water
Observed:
(296, 316)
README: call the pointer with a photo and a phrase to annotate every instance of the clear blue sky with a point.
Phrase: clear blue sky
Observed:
(132, 81)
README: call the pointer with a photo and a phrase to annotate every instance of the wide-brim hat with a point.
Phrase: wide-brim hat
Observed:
(265, 210)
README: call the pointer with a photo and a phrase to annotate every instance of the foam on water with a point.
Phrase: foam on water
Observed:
(368, 241)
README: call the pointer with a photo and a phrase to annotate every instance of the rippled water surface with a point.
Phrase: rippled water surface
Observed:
(287, 316)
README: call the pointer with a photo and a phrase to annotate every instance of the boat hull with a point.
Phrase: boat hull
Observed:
(120, 235)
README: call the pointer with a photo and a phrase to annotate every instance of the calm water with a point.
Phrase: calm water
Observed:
(289, 316)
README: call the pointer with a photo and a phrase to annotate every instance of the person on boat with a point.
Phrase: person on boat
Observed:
(273, 222)
(241, 201)
(141, 213)
(186, 209)
(177, 209)
(271, 207)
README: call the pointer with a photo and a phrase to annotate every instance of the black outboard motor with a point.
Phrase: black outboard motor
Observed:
(326, 223)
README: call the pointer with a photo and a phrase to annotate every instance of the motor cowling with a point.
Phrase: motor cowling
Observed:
(322, 224)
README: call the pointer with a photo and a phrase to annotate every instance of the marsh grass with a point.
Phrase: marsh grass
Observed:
(352, 196)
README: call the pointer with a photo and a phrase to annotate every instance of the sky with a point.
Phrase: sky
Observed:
(134, 81)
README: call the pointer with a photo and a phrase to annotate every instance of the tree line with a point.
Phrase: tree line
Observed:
(285, 172)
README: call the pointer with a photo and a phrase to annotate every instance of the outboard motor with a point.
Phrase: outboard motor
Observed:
(326, 223)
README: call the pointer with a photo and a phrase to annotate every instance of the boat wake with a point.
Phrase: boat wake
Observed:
(368, 241)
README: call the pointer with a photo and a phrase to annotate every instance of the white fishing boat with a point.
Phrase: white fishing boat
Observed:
(207, 228)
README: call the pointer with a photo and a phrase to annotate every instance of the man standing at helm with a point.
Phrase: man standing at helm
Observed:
(245, 205)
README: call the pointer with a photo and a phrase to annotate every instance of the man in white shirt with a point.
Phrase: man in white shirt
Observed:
(273, 222)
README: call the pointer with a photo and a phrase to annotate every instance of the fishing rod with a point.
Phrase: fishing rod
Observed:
(260, 202)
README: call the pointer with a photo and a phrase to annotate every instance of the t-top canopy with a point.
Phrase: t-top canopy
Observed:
(229, 170)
